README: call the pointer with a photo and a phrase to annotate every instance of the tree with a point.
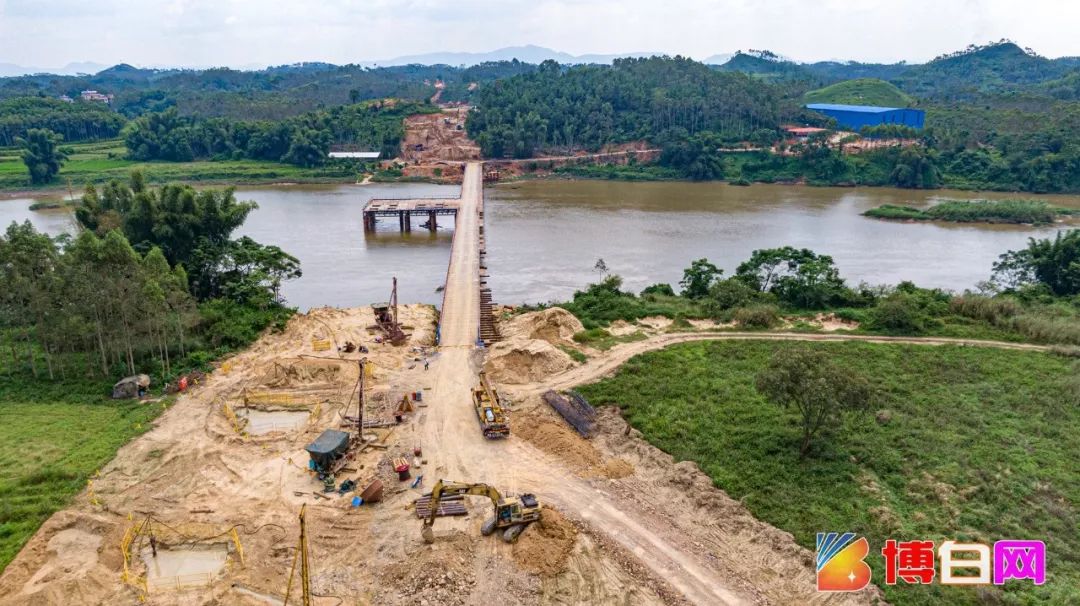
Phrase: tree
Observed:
(699, 156)
(42, 154)
(729, 294)
(173, 218)
(698, 278)
(242, 271)
(1054, 264)
(799, 277)
(308, 148)
(601, 268)
(819, 391)
(916, 168)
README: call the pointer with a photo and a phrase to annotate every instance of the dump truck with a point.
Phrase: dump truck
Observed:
(512, 513)
(489, 410)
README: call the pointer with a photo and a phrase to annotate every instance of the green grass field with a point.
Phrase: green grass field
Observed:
(980, 445)
(102, 161)
(53, 438)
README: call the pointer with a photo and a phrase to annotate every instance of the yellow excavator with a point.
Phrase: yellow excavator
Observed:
(512, 514)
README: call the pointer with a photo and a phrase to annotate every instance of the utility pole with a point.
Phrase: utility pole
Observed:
(393, 301)
(360, 413)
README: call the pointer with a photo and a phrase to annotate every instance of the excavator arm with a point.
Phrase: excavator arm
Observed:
(454, 488)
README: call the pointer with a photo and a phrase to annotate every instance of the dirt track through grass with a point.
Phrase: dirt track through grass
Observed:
(979, 445)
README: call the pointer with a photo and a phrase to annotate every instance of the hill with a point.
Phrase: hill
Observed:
(864, 91)
(527, 54)
(963, 75)
(850, 70)
(653, 99)
(767, 66)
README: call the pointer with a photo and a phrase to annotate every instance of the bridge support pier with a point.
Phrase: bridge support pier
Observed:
(369, 221)
(432, 222)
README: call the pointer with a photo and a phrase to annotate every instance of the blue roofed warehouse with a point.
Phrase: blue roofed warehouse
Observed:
(855, 117)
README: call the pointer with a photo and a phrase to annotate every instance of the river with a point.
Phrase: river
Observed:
(544, 237)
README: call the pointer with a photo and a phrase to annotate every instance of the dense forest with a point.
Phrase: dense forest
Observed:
(302, 140)
(76, 121)
(153, 283)
(271, 94)
(656, 99)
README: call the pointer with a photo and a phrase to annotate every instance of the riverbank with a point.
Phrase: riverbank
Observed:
(99, 162)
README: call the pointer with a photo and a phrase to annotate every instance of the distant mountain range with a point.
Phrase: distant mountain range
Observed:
(71, 69)
(526, 54)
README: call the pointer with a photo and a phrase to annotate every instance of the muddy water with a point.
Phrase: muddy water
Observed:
(261, 422)
(545, 236)
(194, 565)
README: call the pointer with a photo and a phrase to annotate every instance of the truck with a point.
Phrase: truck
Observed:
(489, 410)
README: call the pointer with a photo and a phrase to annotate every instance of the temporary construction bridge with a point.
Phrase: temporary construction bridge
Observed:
(466, 277)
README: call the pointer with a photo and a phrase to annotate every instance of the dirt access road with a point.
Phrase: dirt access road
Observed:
(457, 451)
(701, 562)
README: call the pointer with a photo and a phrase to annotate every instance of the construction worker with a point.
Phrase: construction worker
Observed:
(426, 364)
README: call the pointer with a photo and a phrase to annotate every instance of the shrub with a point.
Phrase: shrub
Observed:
(757, 316)
(899, 313)
(591, 335)
(660, 288)
(729, 294)
(987, 309)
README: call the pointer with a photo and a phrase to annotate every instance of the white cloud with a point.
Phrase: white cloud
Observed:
(243, 32)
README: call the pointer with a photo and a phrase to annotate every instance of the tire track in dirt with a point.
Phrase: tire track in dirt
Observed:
(620, 354)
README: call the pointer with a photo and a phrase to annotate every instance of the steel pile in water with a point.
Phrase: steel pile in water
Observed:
(575, 409)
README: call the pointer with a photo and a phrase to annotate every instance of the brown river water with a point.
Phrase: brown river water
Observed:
(544, 237)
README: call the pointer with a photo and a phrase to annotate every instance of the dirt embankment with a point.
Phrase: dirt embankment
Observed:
(431, 138)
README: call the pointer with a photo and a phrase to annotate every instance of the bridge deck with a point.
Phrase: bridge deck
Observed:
(389, 206)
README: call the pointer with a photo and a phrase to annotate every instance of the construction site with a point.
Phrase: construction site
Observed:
(399, 454)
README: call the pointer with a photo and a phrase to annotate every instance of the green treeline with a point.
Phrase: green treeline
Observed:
(585, 107)
(303, 140)
(1033, 295)
(153, 283)
(270, 94)
(75, 121)
(970, 211)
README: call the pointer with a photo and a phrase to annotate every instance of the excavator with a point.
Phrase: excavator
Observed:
(512, 514)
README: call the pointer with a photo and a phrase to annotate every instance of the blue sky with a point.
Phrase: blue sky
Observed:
(260, 32)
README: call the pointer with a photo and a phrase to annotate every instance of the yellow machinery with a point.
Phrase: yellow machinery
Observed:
(512, 514)
(301, 556)
(489, 410)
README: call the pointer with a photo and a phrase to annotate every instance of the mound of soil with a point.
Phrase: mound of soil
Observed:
(554, 325)
(545, 546)
(616, 468)
(554, 437)
(517, 361)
